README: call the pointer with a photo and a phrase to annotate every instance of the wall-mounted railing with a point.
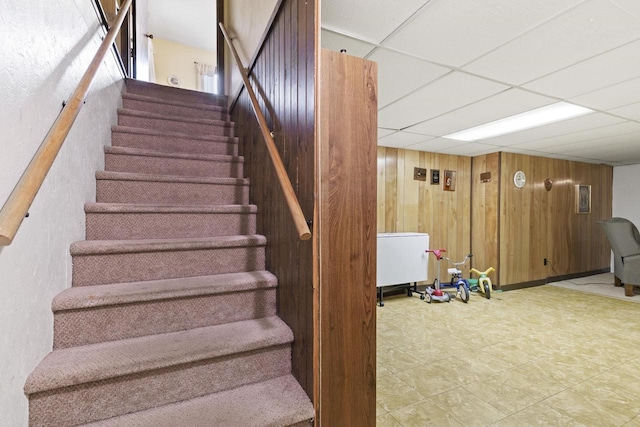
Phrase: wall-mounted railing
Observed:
(17, 205)
(289, 194)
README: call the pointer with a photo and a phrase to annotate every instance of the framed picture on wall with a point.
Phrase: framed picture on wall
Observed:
(435, 176)
(583, 199)
(449, 181)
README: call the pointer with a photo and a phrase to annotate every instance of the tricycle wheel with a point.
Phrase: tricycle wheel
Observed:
(464, 293)
(487, 291)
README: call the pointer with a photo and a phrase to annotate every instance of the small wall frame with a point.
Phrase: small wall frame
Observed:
(583, 199)
(449, 182)
(435, 176)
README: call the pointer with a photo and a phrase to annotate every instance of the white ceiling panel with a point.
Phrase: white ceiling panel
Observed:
(400, 74)
(503, 104)
(585, 31)
(436, 145)
(370, 20)
(631, 6)
(456, 32)
(595, 73)
(631, 111)
(402, 139)
(452, 91)
(382, 132)
(611, 143)
(590, 121)
(337, 42)
(611, 97)
(586, 135)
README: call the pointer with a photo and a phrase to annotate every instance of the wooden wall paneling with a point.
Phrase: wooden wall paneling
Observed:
(391, 190)
(348, 159)
(412, 187)
(381, 187)
(289, 106)
(485, 214)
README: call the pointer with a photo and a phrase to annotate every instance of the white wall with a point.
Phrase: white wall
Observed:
(177, 59)
(626, 197)
(46, 47)
(246, 22)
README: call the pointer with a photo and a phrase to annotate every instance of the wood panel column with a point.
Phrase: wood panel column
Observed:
(346, 180)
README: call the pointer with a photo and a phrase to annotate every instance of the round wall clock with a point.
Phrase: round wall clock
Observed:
(519, 179)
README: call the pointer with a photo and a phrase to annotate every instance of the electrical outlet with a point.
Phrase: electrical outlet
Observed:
(546, 262)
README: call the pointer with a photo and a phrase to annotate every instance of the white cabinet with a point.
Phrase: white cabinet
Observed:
(401, 259)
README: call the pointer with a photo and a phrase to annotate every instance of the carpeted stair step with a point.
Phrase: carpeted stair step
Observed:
(136, 160)
(202, 127)
(151, 104)
(275, 402)
(173, 93)
(172, 142)
(92, 314)
(123, 187)
(114, 221)
(100, 262)
(90, 383)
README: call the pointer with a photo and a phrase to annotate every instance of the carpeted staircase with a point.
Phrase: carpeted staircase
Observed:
(171, 319)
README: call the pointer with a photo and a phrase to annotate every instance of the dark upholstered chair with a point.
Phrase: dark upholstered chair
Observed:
(624, 239)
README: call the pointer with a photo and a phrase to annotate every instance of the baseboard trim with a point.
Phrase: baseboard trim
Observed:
(533, 283)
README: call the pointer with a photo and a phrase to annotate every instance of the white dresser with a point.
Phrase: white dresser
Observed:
(401, 259)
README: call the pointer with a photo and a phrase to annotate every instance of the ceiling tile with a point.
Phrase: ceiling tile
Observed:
(619, 144)
(504, 104)
(402, 139)
(337, 42)
(382, 132)
(631, 111)
(452, 91)
(585, 31)
(436, 145)
(600, 71)
(630, 6)
(586, 135)
(456, 32)
(611, 97)
(371, 20)
(400, 74)
(590, 121)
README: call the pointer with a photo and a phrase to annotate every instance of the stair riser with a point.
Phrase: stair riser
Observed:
(170, 144)
(172, 166)
(133, 226)
(199, 129)
(109, 398)
(140, 266)
(178, 96)
(93, 325)
(174, 110)
(170, 193)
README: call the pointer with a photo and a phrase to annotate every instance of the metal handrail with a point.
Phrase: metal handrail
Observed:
(17, 206)
(289, 194)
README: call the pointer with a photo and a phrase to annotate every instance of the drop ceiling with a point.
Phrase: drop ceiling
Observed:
(448, 65)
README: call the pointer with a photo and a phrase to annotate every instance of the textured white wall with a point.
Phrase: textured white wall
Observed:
(246, 22)
(46, 47)
(626, 198)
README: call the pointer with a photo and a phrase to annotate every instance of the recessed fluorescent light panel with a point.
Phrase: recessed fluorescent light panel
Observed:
(527, 120)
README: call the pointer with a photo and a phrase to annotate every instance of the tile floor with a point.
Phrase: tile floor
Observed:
(543, 356)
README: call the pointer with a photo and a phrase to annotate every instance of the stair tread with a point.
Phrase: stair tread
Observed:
(168, 117)
(275, 402)
(154, 132)
(95, 247)
(131, 176)
(83, 297)
(187, 156)
(159, 100)
(132, 84)
(134, 208)
(78, 365)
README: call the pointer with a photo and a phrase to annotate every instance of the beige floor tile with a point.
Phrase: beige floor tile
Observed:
(513, 390)
(396, 360)
(538, 415)
(386, 420)
(634, 422)
(393, 393)
(380, 410)
(565, 369)
(428, 381)
(424, 414)
(594, 407)
(469, 410)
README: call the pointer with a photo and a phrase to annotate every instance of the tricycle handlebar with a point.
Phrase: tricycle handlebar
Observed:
(483, 273)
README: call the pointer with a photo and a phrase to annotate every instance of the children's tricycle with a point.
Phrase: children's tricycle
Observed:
(436, 292)
(484, 282)
(461, 285)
